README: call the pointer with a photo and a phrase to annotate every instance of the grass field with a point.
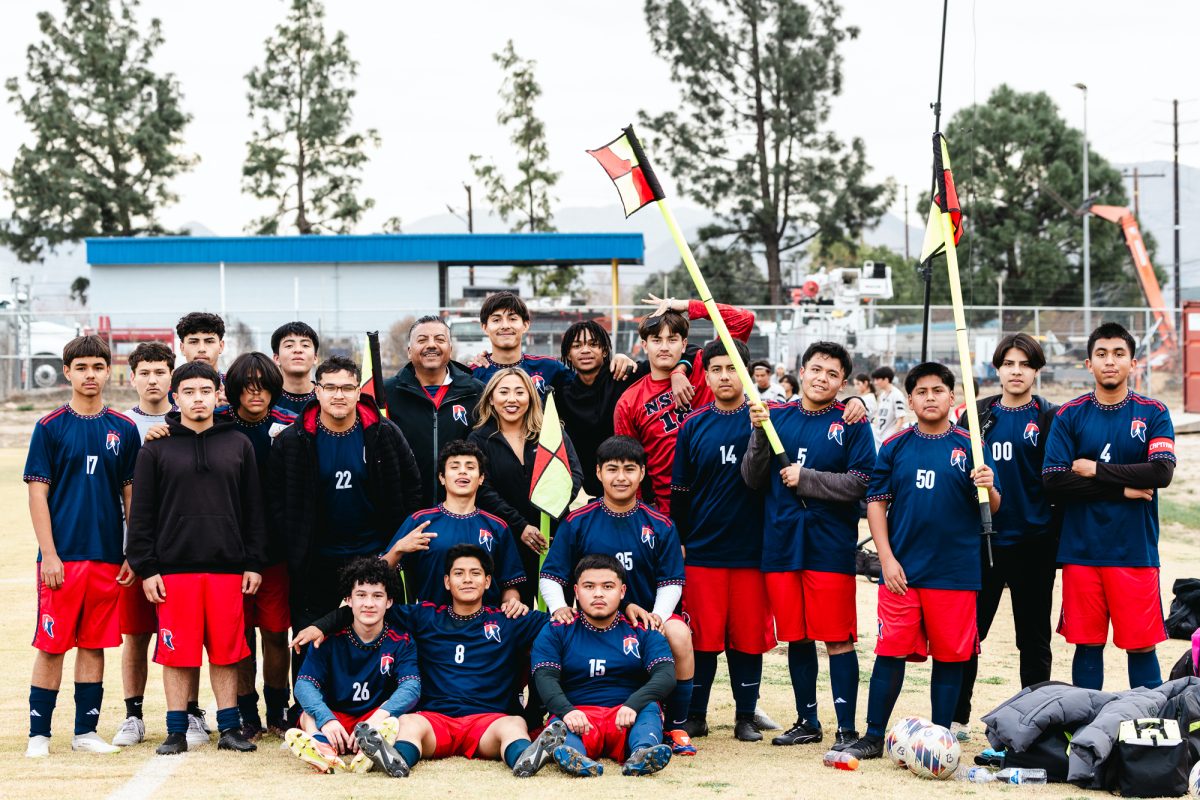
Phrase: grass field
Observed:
(724, 767)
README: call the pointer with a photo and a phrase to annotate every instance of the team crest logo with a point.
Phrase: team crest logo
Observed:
(539, 383)
(460, 414)
(958, 458)
(485, 539)
(167, 638)
(385, 663)
(48, 625)
(835, 432)
(491, 630)
(1031, 433)
(648, 536)
(630, 645)
(1137, 429)
(113, 442)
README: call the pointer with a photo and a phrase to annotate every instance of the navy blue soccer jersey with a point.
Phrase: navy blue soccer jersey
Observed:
(643, 540)
(346, 528)
(599, 667)
(263, 432)
(1013, 441)
(1110, 533)
(294, 403)
(354, 676)
(87, 461)
(469, 665)
(478, 528)
(725, 516)
(546, 372)
(933, 516)
(815, 534)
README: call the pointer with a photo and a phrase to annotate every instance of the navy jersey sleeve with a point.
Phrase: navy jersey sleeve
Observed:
(881, 475)
(1160, 442)
(315, 668)
(39, 466)
(862, 451)
(1060, 448)
(404, 530)
(529, 626)
(508, 563)
(406, 660)
(548, 648)
(560, 559)
(670, 563)
(655, 649)
(681, 472)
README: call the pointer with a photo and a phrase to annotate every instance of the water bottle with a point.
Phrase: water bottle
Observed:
(1019, 775)
(840, 760)
(975, 775)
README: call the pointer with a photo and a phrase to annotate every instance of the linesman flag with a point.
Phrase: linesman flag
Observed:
(636, 183)
(372, 372)
(945, 201)
(550, 488)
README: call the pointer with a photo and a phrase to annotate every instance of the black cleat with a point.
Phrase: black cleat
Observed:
(173, 745)
(866, 747)
(844, 739)
(232, 739)
(382, 754)
(251, 732)
(744, 730)
(695, 727)
(802, 732)
(540, 750)
(647, 760)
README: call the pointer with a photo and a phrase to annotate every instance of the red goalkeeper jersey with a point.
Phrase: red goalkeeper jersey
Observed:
(647, 413)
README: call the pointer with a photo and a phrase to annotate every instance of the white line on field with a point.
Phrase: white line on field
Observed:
(146, 781)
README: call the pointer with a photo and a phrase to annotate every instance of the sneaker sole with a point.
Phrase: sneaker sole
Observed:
(539, 752)
(380, 752)
(658, 757)
(575, 763)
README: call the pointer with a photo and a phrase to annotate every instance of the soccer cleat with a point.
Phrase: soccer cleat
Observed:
(360, 763)
(765, 723)
(389, 729)
(647, 760)
(173, 745)
(251, 732)
(38, 747)
(382, 754)
(843, 739)
(802, 732)
(92, 743)
(681, 743)
(318, 755)
(744, 730)
(131, 732)
(540, 749)
(573, 762)
(232, 739)
(866, 747)
(695, 727)
(197, 730)
(960, 731)
(277, 727)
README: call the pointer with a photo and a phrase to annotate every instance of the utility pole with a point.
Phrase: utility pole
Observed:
(1175, 126)
(906, 256)
(1087, 218)
(470, 229)
(1137, 175)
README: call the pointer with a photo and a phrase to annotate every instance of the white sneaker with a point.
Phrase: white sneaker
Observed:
(39, 747)
(203, 722)
(92, 743)
(197, 733)
(960, 731)
(131, 732)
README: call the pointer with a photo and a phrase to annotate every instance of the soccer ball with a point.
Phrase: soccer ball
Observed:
(895, 744)
(1194, 781)
(933, 752)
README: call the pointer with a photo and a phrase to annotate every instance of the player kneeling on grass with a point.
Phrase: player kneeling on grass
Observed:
(923, 510)
(470, 658)
(647, 545)
(604, 678)
(354, 687)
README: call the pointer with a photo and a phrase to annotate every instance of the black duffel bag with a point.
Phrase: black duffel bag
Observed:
(1184, 617)
(1151, 759)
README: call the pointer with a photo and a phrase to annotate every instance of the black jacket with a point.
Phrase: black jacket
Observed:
(1046, 414)
(294, 496)
(197, 505)
(428, 426)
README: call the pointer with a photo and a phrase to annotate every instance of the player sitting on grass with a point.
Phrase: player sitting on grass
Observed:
(604, 678)
(923, 510)
(421, 543)
(647, 545)
(354, 687)
(470, 658)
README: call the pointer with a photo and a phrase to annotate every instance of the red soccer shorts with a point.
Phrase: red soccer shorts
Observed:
(813, 605)
(80, 613)
(1129, 596)
(203, 612)
(927, 622)
(728, 607)
(268, 607)
(138, 615)
(458, 736)
(605, 739)
(350, 720)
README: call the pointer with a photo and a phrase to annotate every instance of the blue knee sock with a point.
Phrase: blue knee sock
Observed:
(1087, 667)
(41, 710)
(575, 742)
(887, 678)
(745, 675)
(88, 699)
(646, 730)
(702, 681)
(277, 700)
(802, 664)
(678, 703)
(228, 718)
(247, 705)
(177, 721)
(514, 750)
(843, 682)
(944, 686)
(408, 751)
(1144, 670)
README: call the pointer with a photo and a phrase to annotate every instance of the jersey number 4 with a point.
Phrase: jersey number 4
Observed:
(1105, 455)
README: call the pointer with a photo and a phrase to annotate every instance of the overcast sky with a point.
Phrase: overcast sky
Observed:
(427, 83)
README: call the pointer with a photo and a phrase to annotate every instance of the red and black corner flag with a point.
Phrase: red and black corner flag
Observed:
(372, 372)
(626, 164)
(945, 201)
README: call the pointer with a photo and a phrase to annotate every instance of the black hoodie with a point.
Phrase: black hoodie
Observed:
(197, 506)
